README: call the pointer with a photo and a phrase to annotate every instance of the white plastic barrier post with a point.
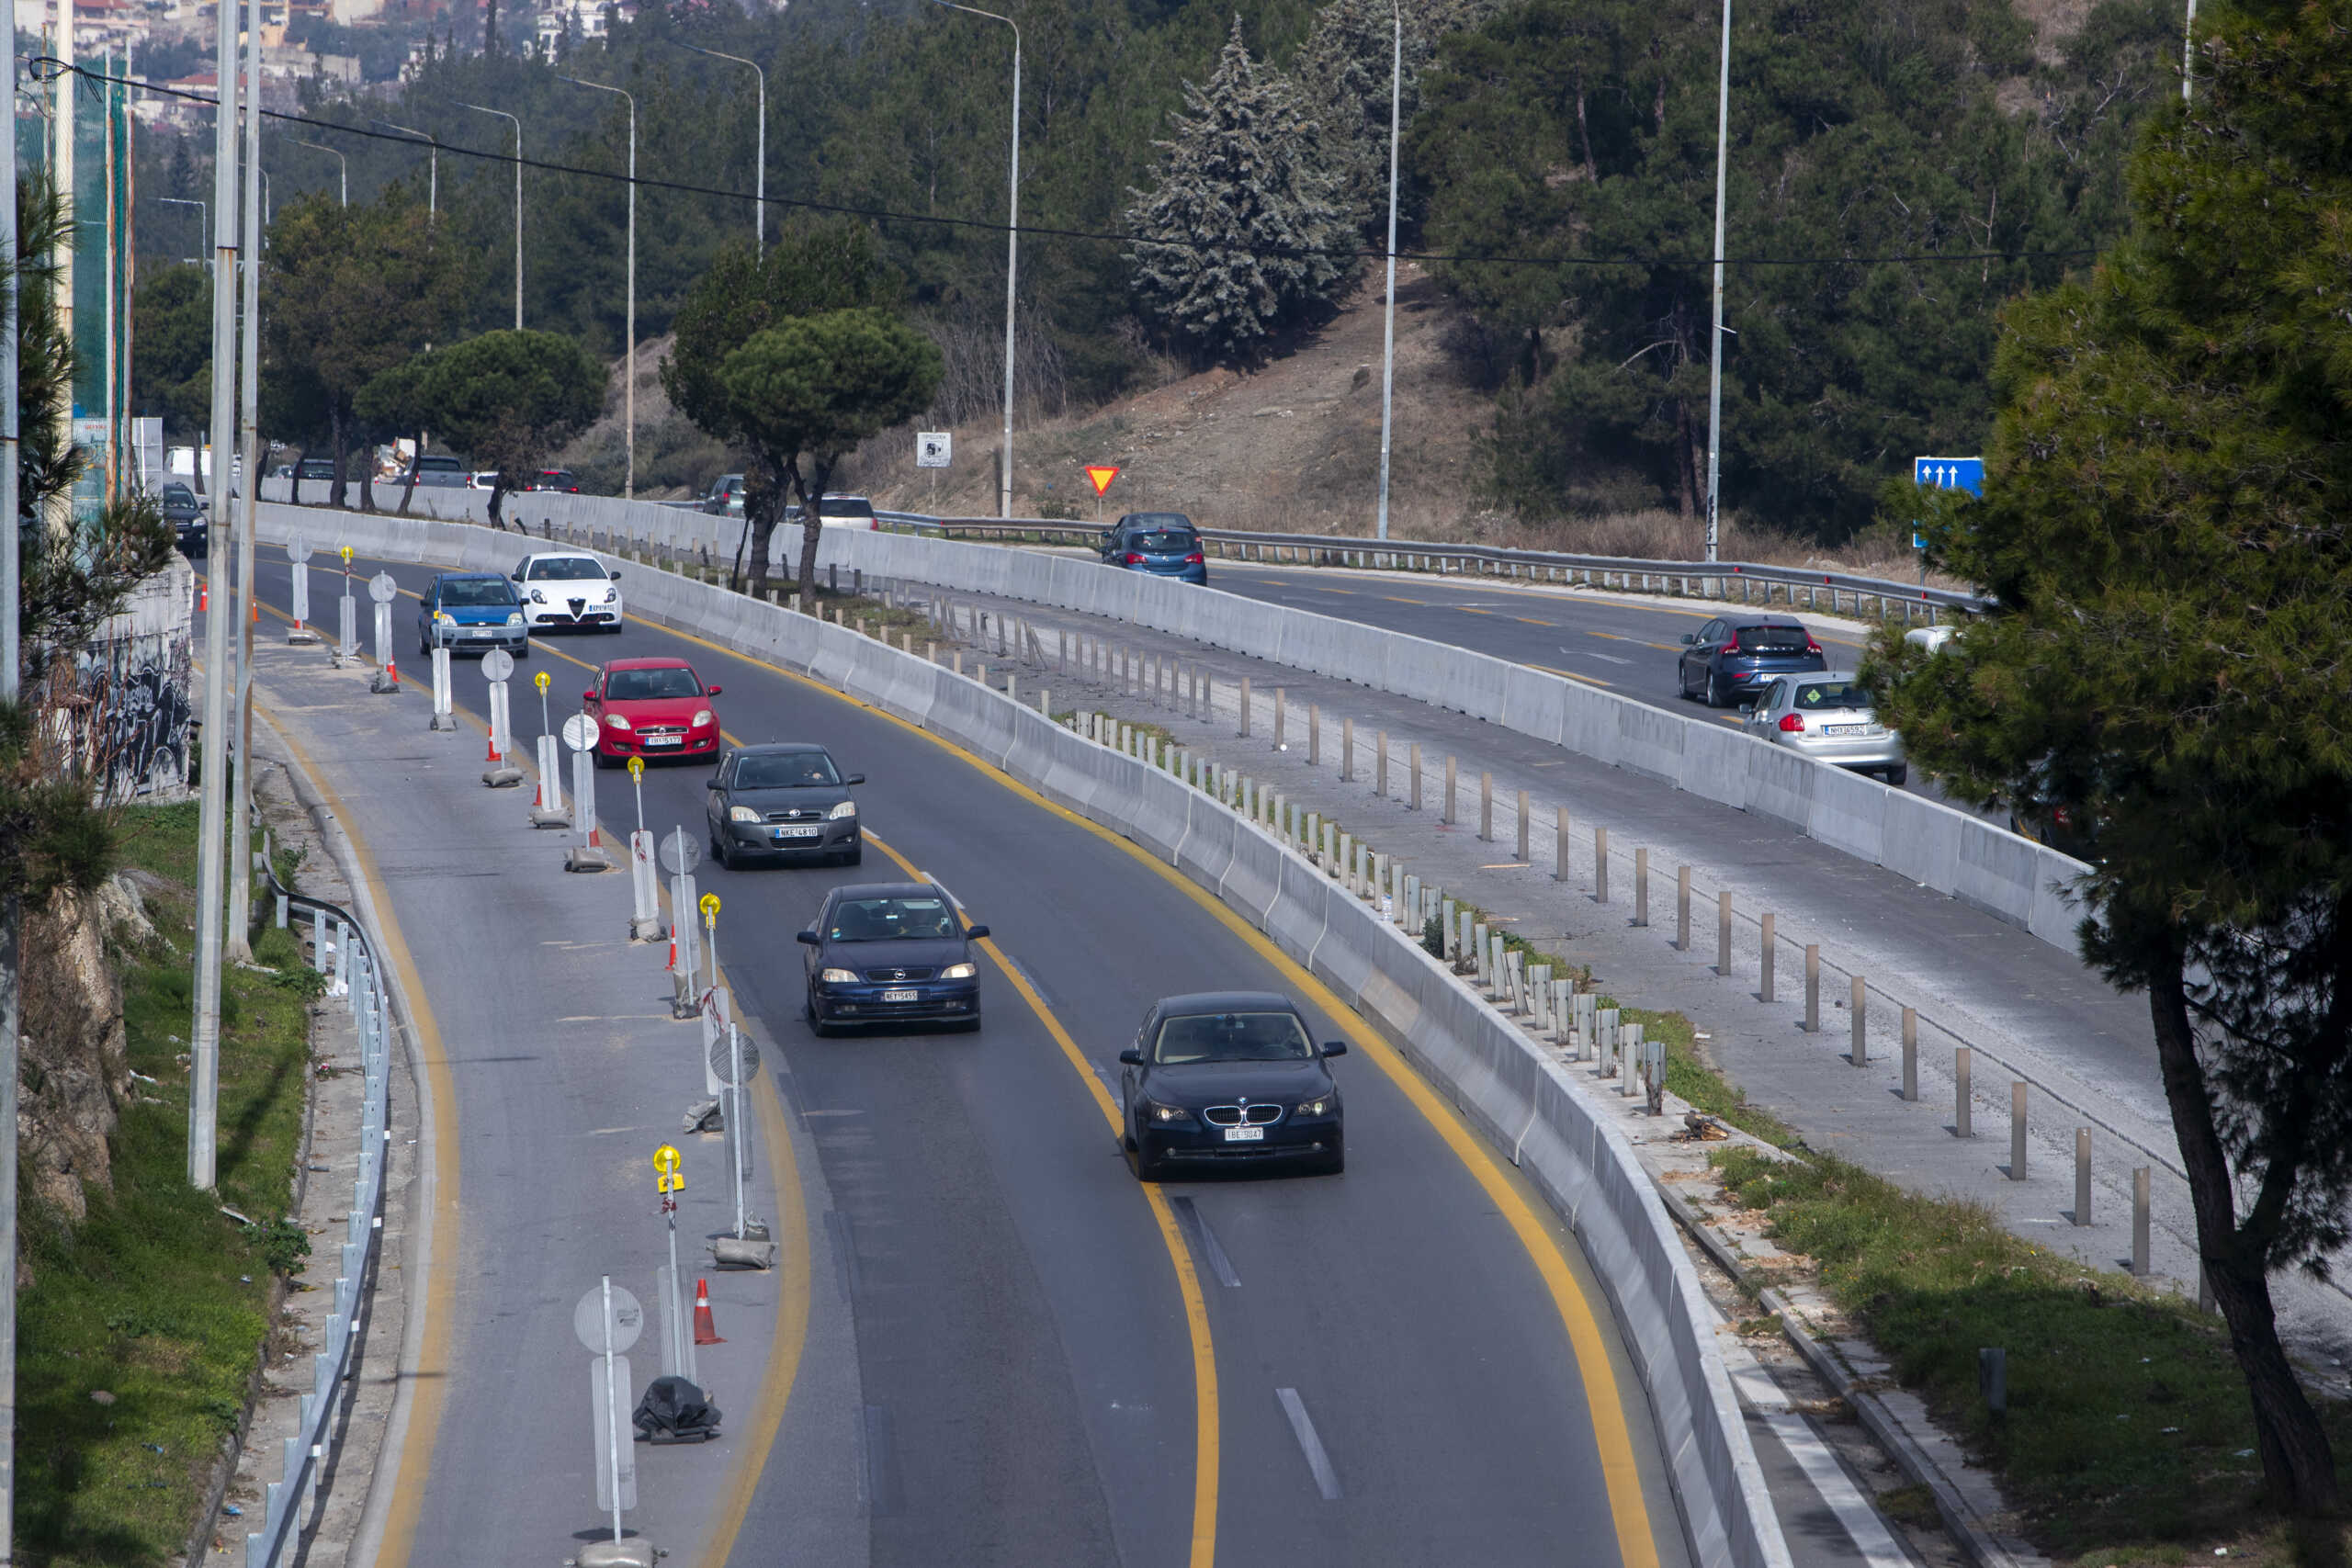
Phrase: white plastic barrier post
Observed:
(645, 922)
(445, 715)
(588, 854)
(301, 630)
(499, 772)
(388, 669)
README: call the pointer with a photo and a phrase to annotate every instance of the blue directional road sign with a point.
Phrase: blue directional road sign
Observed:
(1949, 473)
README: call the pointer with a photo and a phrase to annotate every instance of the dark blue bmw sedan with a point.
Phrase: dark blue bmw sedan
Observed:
(891, 952)
(1226, 1079)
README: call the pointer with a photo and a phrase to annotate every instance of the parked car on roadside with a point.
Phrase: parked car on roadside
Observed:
(1733, 658)
(1830, 718)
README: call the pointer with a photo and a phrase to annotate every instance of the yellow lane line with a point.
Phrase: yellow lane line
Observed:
(1188, 1282)
(1629, 1511)
(1587, 679)
(429, 1380)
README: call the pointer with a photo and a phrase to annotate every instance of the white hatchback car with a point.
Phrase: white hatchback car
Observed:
(565, 590)
(1829, 718)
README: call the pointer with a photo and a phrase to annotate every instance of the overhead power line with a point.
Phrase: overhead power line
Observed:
(884, 215)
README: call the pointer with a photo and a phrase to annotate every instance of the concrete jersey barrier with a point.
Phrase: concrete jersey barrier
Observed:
(1493, 1073)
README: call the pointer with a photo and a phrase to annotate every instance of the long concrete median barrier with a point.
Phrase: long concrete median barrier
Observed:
(1525, 1103)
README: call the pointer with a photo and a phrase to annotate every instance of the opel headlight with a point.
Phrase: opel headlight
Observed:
(838, 977)
(741, 813)
(617, 721)
(846, 809)
(1168, 1115)
(702, 719)
(959, 970)
(515, 617)
(1319, 1105)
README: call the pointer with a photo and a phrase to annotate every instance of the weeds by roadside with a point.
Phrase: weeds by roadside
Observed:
(139, 1331)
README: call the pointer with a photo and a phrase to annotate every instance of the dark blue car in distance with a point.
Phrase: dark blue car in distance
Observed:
(885, 953)
(1164, 544)
(1733, 658)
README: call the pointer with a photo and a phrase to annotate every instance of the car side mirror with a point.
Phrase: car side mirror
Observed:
(519, 577)
(710, 690)
(1131, 1057)
(617, 574)
(589, 695)
(1690, 636)
(1335, 1047)
(855, 779)
(974, 934)
(806, 938)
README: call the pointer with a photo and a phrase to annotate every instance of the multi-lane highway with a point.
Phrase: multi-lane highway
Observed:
(1054, 1364)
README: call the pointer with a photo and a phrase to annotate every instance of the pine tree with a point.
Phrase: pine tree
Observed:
(1241, 236)
(1345, 71)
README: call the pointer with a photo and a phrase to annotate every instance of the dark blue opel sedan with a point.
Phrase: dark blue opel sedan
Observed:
(891, 952)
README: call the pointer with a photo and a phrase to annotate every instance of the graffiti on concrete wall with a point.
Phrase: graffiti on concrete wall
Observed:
(132, 716)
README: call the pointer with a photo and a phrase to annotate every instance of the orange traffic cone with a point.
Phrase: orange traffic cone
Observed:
(203, 596)
(706, 1331)
(489, 746)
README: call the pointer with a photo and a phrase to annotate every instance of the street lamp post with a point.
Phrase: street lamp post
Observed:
(1715, 336)
(1388, 323)
(760, 153)
(433, 177)
(343, 162)
(629, 371)
(1011, 251)
(518, 199)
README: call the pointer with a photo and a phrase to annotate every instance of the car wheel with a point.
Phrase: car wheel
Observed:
(1714, 690)
(856, 856)
(1335, 1162)
(1898, 774)
(817, 1024)
(524, 651)
(718, 849)
(1682, 680)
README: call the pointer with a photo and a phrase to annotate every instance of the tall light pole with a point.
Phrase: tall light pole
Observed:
(433, 185)
(628, 372)
(518, 199)
(10, 911)
(1388, 326)
(204, 1036)
(760, 175)
(244, 497)
(1011, 251)
(342, 162)
(2188, 50)
(1715, 336)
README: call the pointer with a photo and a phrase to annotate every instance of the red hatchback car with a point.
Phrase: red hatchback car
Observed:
(651, 708)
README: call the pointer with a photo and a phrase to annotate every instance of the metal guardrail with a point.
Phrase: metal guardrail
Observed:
(1713, 579)
(290, 1502)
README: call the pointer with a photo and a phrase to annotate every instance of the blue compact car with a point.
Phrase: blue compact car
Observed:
(471, 611)
(1164, 544)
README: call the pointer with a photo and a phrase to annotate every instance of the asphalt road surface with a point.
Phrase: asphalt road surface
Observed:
(1405, 1364)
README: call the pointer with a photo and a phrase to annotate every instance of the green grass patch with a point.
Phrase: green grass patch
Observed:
(2129, 1435)
(1689, 1075)
(156, 1298)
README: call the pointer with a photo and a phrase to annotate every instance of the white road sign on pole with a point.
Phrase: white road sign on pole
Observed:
(934, 448)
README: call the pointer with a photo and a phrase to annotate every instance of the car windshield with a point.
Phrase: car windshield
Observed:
(566, 569)
(1832, 695)
(635, 685)
(476, 592)
(178, 495)
(1773, 639)
(844, 506)
(1159, 520)
(437, 465)
(786, 770)
(1164, 539)
(1232, 1037)
(890, 919)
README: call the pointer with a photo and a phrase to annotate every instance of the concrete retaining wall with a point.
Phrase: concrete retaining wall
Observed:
(1497, 1076)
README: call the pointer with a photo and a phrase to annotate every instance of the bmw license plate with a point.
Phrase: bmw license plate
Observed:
(664, 740)
(1845, 729)
(901, 996)
(1245, 1135)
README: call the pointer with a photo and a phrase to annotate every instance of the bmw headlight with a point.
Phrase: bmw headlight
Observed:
(741, 813)
(617, 721)
(1168, 1115)
(515, 617)
(702, 719)
(845, 809)
(1320, 1106)
(959, 970)
(838, 977)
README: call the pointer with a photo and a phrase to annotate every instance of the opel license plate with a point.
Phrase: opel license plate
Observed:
(1245, 1135)
(901, 996)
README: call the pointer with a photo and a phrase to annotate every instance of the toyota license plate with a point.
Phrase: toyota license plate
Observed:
(901, 996)
(1845, 729)
(664, 740)
(797, 832)
(1245, 1135)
